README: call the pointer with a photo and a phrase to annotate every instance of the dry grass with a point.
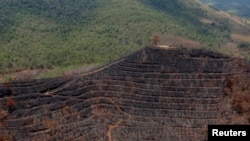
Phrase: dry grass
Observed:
(206, 21)
(233, 18)
(239, 26)
(21, 75)
(2, 138)
(240, 94)
(170, 40)
(241, 103)
(51, 124)
(3, 115)
(240, 37)
(231, 49)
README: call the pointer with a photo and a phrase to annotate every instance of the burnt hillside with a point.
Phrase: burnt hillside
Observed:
(154, 94)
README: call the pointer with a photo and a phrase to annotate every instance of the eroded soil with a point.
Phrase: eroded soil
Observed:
(154, 94)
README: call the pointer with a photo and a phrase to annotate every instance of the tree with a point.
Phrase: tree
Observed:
(155, 39)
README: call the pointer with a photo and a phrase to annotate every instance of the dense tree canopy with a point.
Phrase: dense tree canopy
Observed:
(54, 33)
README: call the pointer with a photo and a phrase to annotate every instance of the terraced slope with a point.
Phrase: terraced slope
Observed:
(155, 94)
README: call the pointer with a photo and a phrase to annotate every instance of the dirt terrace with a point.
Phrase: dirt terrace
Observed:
(155, 94)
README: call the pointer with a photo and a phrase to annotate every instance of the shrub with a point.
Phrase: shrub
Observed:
(3, 115)
(244, 45)
(229, 83)
(155, 40)
(10, 103)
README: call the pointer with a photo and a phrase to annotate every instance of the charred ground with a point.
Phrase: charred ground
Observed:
(154, 94)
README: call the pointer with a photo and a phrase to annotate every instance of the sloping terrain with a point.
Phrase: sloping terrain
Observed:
(237, 7)
(155, 94)
(46, 34)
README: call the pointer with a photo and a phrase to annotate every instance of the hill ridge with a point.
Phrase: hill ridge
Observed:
(153, 94)
(46, 34)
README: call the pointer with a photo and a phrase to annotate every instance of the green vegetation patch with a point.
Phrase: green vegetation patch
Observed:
(47, 34)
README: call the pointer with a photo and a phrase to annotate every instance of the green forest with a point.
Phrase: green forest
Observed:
(46, 34)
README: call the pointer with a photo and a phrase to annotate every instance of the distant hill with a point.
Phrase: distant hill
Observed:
(237, 7)
(49, 34)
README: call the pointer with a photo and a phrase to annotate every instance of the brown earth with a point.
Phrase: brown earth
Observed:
(155, 94)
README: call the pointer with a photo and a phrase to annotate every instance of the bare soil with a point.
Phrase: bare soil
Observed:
(154, 94)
